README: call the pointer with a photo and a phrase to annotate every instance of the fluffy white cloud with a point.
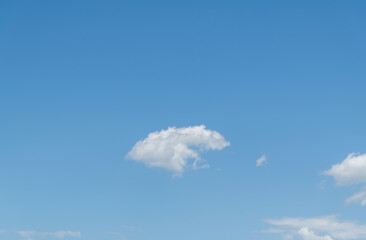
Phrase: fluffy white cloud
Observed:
(359, 197)
(172, 148)
(351, 171)
(262, 160)
(318, 228)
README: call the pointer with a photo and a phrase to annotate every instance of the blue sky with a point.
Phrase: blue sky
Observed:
(81, 82)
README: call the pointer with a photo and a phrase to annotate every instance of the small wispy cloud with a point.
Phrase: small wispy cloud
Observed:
(171, 149)
(261, 161)
(359, 197)
(119, 234)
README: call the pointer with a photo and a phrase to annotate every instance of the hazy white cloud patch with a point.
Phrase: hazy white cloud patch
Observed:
(57, 234)
(359, 197)
(26, 233)
(351, 171)
(318, 228)
(261, 161)
(307, 234)
(172, 148)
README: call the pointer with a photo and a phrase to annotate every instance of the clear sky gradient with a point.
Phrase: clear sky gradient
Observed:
(82, 81)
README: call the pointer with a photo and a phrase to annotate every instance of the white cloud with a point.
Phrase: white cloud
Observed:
(351, 171)
(262, 160)
(172, 148)
(318, 228)
(26, 233)
(307, 234)
(359, 197)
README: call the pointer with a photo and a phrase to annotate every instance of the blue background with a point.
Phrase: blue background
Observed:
(82, 81)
